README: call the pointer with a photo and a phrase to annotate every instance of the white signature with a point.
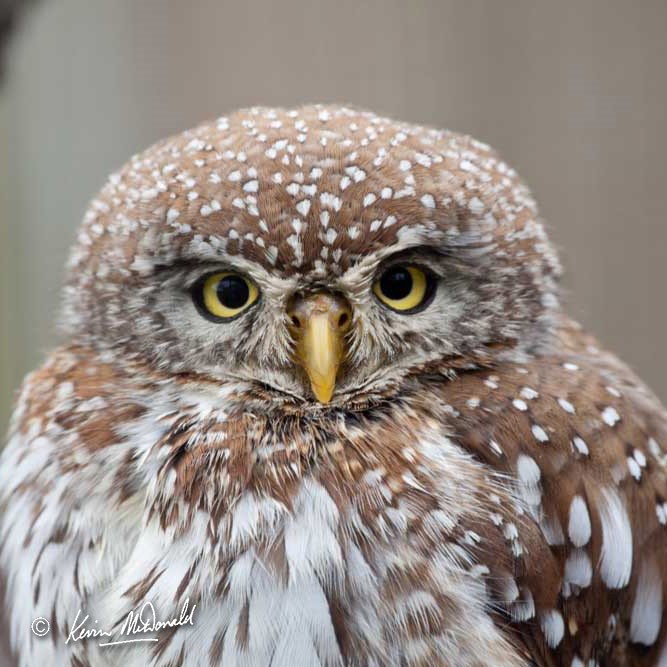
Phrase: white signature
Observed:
(137, 622)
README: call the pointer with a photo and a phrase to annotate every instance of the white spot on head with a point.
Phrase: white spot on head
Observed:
(297, 225)
(520, 404)
(428, 201)
(423, 159)
(195, 145)
(475, 206)
(303, 207)
(610, 416)
(327, 200)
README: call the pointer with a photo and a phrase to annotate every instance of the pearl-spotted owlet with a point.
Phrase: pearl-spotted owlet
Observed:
(317, 386)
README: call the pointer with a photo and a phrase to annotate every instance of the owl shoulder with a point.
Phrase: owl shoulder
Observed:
(582, 441)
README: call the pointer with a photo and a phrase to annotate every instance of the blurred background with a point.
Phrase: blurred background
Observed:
(572, 93)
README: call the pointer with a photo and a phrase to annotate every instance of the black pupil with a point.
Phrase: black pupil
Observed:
(233, 292)
(396, 283)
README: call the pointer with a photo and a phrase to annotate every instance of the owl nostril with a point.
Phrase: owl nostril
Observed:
(324, 306)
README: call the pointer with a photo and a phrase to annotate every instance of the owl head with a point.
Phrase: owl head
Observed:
(317, 257)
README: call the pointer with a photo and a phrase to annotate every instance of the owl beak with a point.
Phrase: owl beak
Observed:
(319, 323)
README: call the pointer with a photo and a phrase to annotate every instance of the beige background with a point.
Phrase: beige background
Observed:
(572, 93)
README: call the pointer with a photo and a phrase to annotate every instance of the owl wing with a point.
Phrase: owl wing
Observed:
(584, 443)
(69, 507)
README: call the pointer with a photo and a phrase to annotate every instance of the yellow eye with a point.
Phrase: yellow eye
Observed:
(404, 288)
(225, 295)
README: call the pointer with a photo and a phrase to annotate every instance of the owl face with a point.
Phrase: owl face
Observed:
(319, 256)
(325, 338)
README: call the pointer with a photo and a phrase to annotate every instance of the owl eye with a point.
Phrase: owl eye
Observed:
(405, 289)
(223, 296)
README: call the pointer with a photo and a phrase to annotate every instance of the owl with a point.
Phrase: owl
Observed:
(318, 403)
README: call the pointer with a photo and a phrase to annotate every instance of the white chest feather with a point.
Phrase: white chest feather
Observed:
(312, 581)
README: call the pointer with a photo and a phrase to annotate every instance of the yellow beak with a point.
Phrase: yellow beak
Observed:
(319, 325)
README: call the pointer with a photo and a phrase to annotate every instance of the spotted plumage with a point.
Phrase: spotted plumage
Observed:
(459, 478)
